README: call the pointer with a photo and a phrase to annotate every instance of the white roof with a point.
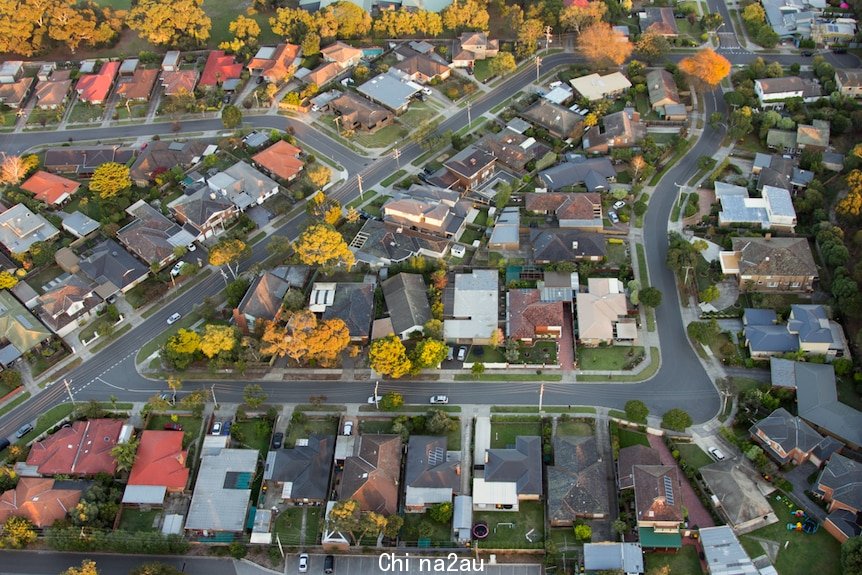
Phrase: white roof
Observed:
(558, 95)
(322, 296)
(482, 439)
(173, 524)
(724, 553)
(389, 90)
(475, 306)
(494, 492)
(595, 87)
(20, 228)
(144, 494)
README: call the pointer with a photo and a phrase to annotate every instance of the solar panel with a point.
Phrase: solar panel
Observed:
(436, 456)
(668, 490)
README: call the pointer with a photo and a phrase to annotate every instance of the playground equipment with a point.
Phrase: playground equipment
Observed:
(480, 530)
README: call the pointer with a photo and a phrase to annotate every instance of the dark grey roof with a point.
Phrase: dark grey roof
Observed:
(378, 241)
(592, 171)
(521, 465)
(788, 431)
(780, 257)
(629, 457)
(427, 465)
(264, 296)
(577, 483)
(469, 161)
(353, 304)
(407, 299)
(305, 466)
(556, 245)
(770, 339)
(109, 262)
(753, 316)
(844, 477)
(295, 275)
(847, 522)
(810, 322)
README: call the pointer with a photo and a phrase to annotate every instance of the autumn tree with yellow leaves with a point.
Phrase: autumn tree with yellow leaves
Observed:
(13, 169)
(17, 533)
(603, 46)
(388, 356)
(217, 339)
(180, 349)
(245, 31)
(706, 68)
(228, 253)
(322, 245)
(88, 567)
(428, 353)
(303, 338)
(76, 24)
(110, 179)
(176, 23)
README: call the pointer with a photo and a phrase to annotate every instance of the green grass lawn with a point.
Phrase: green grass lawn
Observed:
(803, 551)
(579, 428)
(482, 70)
(617, 254)
(191, 425)
(288, 525)
(629, 437)
(485, 354)
(375, 425)
(84, 113)
(683, 561)
(417, 113)
(115, 4)
(439, 535)
(8, 118)
(544, 352)
(509, 377)
(221, 12)
(607, 358)
(382, 138)
(469, 235)
(503, 433)
(138, 111)
(39, 117)
(393, 178)
(253, 434)
(139, 520)
(319, 425)
(157, 342)
(529, 519)
(693, 455)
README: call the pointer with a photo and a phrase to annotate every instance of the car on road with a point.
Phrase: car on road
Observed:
(462, 353)
(216, 428)
(426, 91)
(348, 428)
(716, 453)
(441, 399)
(178, 267)
(619, 204)
(174, 317)
(807, 53)
(303, 563)
(372, 399)
(277, 440)
(24, 430)
(329, 564)
(173, 427)
(613, 217)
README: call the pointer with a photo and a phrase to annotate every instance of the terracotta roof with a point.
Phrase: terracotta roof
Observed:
(220, 67)
(94, 88)
(49, 188)
(53, 92)
(567, 206)
(341, 52)
(658, 493)
(84, 448)
(280, 159)
(179, 81)
(323, 74)
(280, 65)
(140, 86)
(660, 20)
(422, 64)
(528, 317)
(38, 500)
(60, 298)
(371, 475)
(161, 460)
(577, 482)
(13, 94)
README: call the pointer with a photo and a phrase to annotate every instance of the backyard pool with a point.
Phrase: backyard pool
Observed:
(371, 53)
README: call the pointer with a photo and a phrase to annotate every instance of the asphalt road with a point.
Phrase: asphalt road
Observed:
(53, 562)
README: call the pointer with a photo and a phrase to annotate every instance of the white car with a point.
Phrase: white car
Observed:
(716, 452)
(426, 91)
(442, 399)
(612, 216)
(174, 317)
(619, 204)
(178, 267)
(315, 108)
(462, 353)
(303, 562)
(191, 247)
(216, 428)
(348, 428)
(373, 399)
(450, 355)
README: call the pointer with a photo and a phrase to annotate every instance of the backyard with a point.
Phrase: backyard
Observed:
(139, 519)
(683, 561)
(522, 530)
(420, 526)
(610, 358)
(191, 425)
(503, 433)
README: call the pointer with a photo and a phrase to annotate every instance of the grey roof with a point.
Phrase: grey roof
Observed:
(407, 299)
(627, 557)
(221, 497)
(591, 171)
(353, 304)
(661, 86)
(521, 465)
(79, 224)
(381, 242)
(518, 125)
(471, 303)
(810, 322)
(462, 516)
(734, 484)
(775, 171)
(800, 177)
(577, 483)
(428, 466)
(770, 339)
(306, 467)
(753, 316)
(844, 477)
(847, 522)
(788, 431)
(264, 296)
(507, 229)
(775, 257)
(144, 494)
(833, 158)
(817, 402)
(629, 457)
(20, 229)
(556, 245)
(389, 90)
(724, 553)
(469, 161)
(199, 206)
(778, 201)
(108, 262)
(256, 139)
(295, 275)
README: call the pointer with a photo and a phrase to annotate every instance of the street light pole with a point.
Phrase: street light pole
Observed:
(538, 64)
(359, 181)
(66, 382)
(376, 386)
(541, 396)
(469, 117)
(212, 389)
(397, 153)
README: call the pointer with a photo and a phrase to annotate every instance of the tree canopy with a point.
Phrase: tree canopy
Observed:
(707, 67)
(110, 179)
(322, 245)
(175, 23)
(388, 356)
(602, 46)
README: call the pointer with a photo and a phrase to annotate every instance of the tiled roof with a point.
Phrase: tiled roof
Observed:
(140, 86)
(219, 68)
(281, 159)
(353, 304)
(263, 298)
(577, 482)
(94, 88)
(38, 500)
(629, 457)
(50, 188)
(52, 92)
(775, 256)
(427, 465)
(406, 298)
(280, 65)
(160, 460)
(84, 448)
(13, 94)
(528, 316)
(521, 465)
(661, 87)
(844, 477)
(658, 493)
(305, 467)
(788, 431)
(18, 326)
(370, 476)
(60, 298)
(341, 52)
(177, 81)
(555, 245)
(197, 208)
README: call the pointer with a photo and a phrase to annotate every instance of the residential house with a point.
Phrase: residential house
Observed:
(832, 161)
(849, 82)
(221, 497)
(784, 141)
(658, 506)
(220, 68)
(506, 235)
(630, 457)
(20, 229)
(764, 337)
(560, 122)
(159, 468)
(558, 245)
(68, 305)
(817, 399)
(432, 474)
(19, 330)
(774, 92)
(204, 211)
(817, 333)
(595, 87)
(356, 113)
(406, 297)
(83, 448)
(139, 87)
(738, 499)
(788, 439)
(625, 558)
(179, 82)
(243, 185)
(51, 93)
(423, 68)
(84, 161)
(49, 188)
(470, 307)
(814, 136)
(778, 171)
(510, 475)
(160, 156)
(281, 160)
(663, 95)
(558, 286)
(345, 55)
(112, 268)
(94, 88)
(261, 302)
(171, 61)
(323, 74)
(528, 318)
(129, 66)
(151, 236)
(619, 130)
(275, 64)
(840, 485)
(40, 500)
(371, 475)
(774, 210)
(577, 482)
(513, 150)
(660, 20)
(559, 95)
(602, 313)
(301, 473)
(322, 296)
(390, 90)
(826, 32)
(354, 305)
(582, 211)
(14, 94)
(471, 167)
(79, 225)
(474, 46)
(771, 264)
(11, 71)
(724, 553)
(595, 174)
(381, 244)
(437, 218)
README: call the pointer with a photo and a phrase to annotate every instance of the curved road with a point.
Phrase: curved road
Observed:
(680, 381)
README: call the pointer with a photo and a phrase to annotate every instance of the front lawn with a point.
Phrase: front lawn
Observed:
(288, 525)
(482, 70)
(253, 434)
(139, 520)
(485, 354)
(577, 428)
(311, 425)
(544, 352)
(84, 113)
(629, 437)
(608, 358)
(683, 561)
(522, 530)
(419, 526)
(693, 455)
(503, 433)
(191, 425)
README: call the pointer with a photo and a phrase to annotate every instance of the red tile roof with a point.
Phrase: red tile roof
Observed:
(36, 499)
(179, 81)
(280, 66)
(139, 86)
(161, 461)
(50, 188)
(84, 448)
(94, 88)
(530, 318)
(280, 159)
(219, 67)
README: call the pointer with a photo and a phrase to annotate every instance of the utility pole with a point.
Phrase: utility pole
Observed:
(212, 389)
(397, 154)
(69, 391)
(359, 181)
(376, 386)
(541, 396)
(548, 30)
(469, 117)
(337, 121)
(538, 64)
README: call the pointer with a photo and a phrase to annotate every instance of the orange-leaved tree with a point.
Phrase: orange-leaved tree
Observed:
(603, 46)
(706, 68)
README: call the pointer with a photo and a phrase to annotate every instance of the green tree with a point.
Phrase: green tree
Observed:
(704, 332)
(231, 117)
(710, 294)
(439, 422)
(393, 526)
(477, 370)
(851, 555)
(110, 179)
(310, 44)
(441, 512)
(502, 64)
(155, 569)
(388, 356)
(650, 297)
(637, 411)
(676, 419)
(253, 395)
(583, 532)
(125, 454)
(652, 46)
(391, 401)
(741, 123)
(235, 291)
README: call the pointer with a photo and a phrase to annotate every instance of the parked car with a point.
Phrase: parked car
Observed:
(260, 79)
(178, 267)
(277, 440)
(372, 399)
(24, 430)
(4, 443)
(716, 453)
(173, 427)
(450, 355)
(216, 428)
(807, 53)
(619, 204)
(303, 562)
(225, 430)
(426, 91)
(329, 564)
(442, 399)
(348, 428)
(462, 353)
(191, 247)
(174, 317)
(612, 216)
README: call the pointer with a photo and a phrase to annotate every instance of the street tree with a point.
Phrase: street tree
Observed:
(125, 454)
(439, 422)
(502, 64)
(603, 46)
(477, 370)
(636, 410)
(253, 395)
(7, 280)
(231, 117)
(650, 297)
(319, 175)
(88, 567)
(178, 23)
(578, 16)
(322, 245)
(388, 356)
(652, 46)
(428, 353)
(706, 68)
(110, 179)
(391, 401)
(228, 253)
(17, 533)
(217, 339)
(676, 419)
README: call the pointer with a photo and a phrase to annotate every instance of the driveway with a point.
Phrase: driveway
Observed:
(259, 215)
(567, 341)
(697, 513)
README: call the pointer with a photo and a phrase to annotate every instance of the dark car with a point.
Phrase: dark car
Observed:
(277, 440)
(329, 564)
(173, 427)
(260, 79)
(4, 443)
(807, 53)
